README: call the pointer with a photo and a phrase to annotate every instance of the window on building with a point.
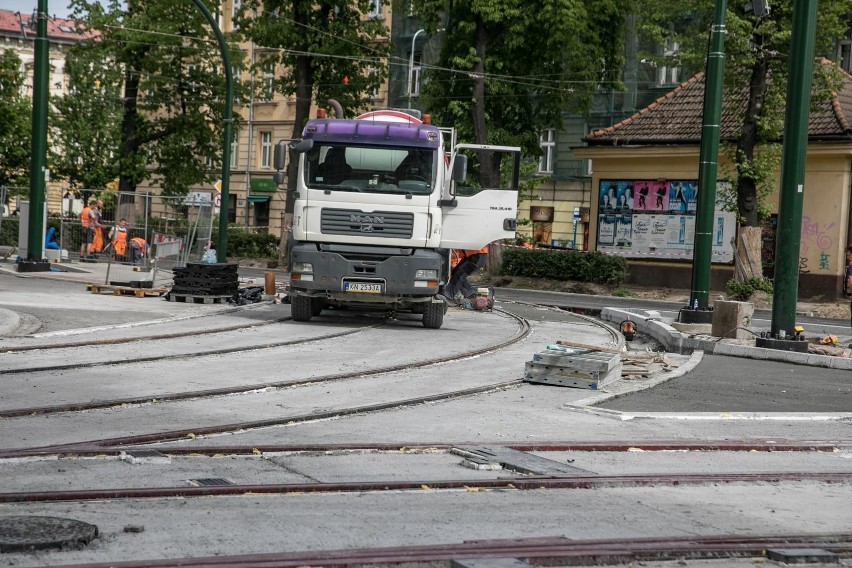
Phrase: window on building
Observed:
(265, 150)
(235, 153)
(232, 208)
(844, 54)
(669, 75)
(235, 12)
(547, 141)
(375, 9)
(416, 68)
(372, 71)
(268, 81)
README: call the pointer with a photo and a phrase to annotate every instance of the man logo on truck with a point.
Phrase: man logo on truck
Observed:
(367, 219)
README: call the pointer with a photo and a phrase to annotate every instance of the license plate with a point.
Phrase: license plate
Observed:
(362, 288)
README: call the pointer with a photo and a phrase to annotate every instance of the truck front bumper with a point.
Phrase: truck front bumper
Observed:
(365, 275)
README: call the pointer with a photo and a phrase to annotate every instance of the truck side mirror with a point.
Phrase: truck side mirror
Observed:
(303, 145)
(279, 157)
(459, 168)
(278, 178)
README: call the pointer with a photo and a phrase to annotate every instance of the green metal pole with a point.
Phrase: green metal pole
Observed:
(702, 251)
(222, 244)
(801, 62)
(35, 234)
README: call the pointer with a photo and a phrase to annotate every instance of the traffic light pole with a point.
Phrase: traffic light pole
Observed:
(698, 310)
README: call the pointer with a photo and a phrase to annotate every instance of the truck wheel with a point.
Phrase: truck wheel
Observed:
(301, 308)
(317, 306)
(433, 316)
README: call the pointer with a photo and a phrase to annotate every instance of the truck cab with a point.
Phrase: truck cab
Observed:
(379, 203)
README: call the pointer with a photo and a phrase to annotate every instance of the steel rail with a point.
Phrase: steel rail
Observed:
(524, 330)
(152, 337)
(768, 446)
(540, 551)
(517, 482)
(190, 355)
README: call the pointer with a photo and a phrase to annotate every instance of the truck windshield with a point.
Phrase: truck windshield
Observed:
(373, 169)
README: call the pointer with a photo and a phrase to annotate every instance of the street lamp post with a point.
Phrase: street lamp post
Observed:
(222, 242)
(411, 64)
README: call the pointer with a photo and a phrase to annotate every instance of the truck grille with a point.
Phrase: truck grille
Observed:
(386, 224)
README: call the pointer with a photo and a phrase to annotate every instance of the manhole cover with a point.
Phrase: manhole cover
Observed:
(22, 534)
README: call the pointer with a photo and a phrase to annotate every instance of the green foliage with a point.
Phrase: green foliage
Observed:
(83, 149)
(489, 87)
(756, 75)
(761, 170)
(623, 293)
(319, 51)
(245, 244)
(9, 231)
(743, 291)
(15, 127)
(173, 88)
(565, 265)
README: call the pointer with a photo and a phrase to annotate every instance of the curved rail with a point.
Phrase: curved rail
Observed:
(524, 330)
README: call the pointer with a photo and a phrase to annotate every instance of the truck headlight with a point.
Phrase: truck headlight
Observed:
(302, 267)
(426, 274)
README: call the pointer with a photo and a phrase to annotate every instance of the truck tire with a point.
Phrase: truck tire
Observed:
(433, 315)
(317, 306)
(301, 308)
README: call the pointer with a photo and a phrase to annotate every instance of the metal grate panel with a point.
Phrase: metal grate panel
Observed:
(385, 224)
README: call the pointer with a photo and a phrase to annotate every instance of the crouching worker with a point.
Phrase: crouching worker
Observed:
(139, 250)
(464, 263)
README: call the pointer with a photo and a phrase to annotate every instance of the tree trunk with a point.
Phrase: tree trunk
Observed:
(748, 252)
(489, 172)
(129, 144)
(304, 91)
(747, 202)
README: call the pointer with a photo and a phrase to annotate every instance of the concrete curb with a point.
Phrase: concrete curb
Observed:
(9, 321)
(603, 396)
(649, 322)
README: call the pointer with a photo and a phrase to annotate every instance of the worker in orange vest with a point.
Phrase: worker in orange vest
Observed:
(118, 238)
(138, 250)
(89, 220)
(463, 263)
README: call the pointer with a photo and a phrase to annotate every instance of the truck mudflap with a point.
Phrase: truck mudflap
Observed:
(366, 275)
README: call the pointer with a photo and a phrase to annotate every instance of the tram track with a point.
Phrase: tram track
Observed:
(514, 482)
(523, 331)
(187, 355)
(541, 551)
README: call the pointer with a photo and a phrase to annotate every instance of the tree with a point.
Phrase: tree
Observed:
(15, 127)
(85, 151)
(756, 51)
(322, 50)
(173, 89)
(501, 78)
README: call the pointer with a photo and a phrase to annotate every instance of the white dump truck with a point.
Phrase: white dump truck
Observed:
(380, 201)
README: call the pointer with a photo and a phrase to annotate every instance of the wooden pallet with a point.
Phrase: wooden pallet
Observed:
(125, 290)
(190, 299)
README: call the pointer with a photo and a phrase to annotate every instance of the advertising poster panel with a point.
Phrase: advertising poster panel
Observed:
(656, 219)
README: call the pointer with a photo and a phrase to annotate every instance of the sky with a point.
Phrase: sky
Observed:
(57, 8)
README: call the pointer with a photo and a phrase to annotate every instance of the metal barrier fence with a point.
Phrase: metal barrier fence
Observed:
(173, 232)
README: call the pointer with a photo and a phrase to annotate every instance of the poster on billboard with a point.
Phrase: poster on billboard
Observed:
(660, 222)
